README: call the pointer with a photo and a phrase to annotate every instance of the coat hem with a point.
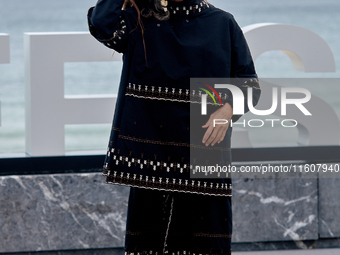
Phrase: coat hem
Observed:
(173, 253)
(184, 188)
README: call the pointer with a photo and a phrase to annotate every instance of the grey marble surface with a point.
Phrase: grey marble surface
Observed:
(329, 207)
(112, 251)
(275, 209)
(80, 211)
(53, 212)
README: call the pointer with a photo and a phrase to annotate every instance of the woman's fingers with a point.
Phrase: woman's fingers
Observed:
(208, 122)
(207, 133)
(220, 132)
(211, 137)
(216, 135)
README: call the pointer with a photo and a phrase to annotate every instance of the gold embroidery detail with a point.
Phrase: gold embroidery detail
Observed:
(140, 140)
(133, 233)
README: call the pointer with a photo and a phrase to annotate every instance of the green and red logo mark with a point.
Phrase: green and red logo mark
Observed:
(210, 94)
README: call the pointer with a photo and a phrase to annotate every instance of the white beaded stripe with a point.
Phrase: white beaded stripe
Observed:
(155, 164)
(148, 88)
(176, 190)
(190, 9)
(174, 181)
(169, 99)
(180, 91)
(158, 93)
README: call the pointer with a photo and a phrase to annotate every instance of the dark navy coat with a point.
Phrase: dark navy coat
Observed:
(150, 145)
(150, 140)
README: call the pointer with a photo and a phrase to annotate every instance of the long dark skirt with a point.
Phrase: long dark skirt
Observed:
(174, 223)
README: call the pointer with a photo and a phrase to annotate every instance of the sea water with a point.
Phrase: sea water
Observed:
(18, 17)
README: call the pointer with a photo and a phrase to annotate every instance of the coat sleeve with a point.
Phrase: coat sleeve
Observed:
(108, 23)
(243, 72)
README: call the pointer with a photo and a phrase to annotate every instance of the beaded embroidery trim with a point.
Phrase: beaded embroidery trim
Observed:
(179, 94)
(252, 83)
(172, 143)
(172, 94)
(147, 163)
(180, 185)
(116, 36)
(196, 8)
(142, 163)
(161, 183)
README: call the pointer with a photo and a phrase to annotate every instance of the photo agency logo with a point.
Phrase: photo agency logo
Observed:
(242, 97)
(270, 104)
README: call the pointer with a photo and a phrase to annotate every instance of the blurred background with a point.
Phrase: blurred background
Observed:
(18, 17)
(62, 205)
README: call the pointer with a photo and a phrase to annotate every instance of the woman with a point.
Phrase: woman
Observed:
(164, 44)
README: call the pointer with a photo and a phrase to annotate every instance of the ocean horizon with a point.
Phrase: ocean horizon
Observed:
(19, 17)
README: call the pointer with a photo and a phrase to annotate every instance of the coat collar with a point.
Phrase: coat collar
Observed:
(187, 7)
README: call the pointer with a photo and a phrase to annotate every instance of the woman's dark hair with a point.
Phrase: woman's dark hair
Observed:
(147, 9)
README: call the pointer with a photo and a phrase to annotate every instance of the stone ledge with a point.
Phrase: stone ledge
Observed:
(81, 212)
